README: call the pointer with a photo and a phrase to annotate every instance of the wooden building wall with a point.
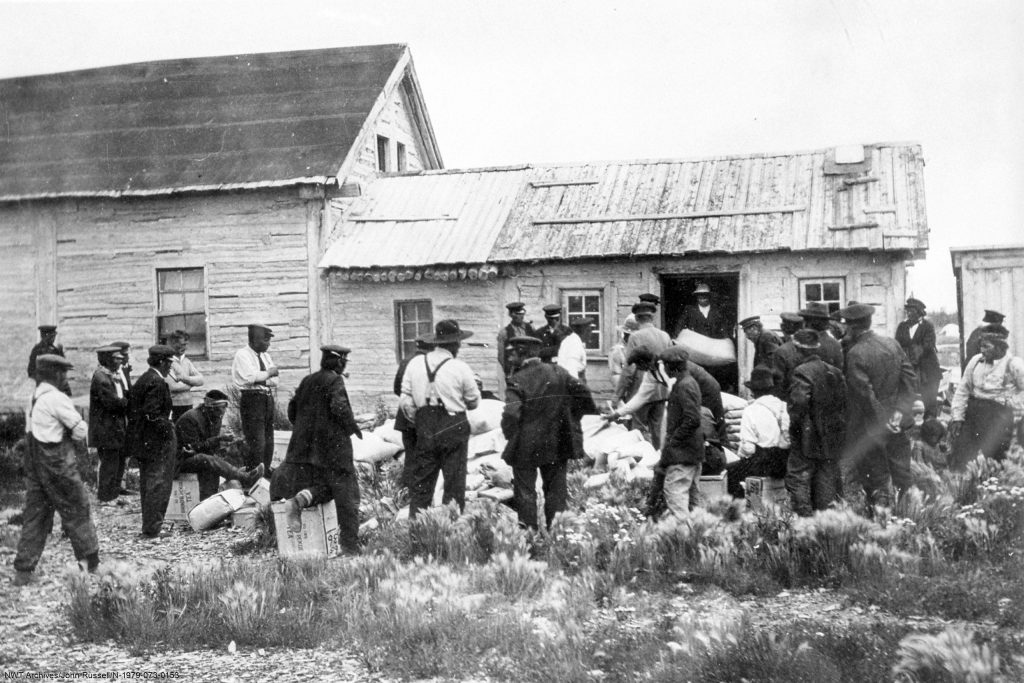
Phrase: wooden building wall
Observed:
(363, 313)
(991, 278)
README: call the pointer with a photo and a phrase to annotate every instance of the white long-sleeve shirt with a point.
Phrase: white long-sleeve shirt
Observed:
(181, 378)
(572, 355)
(54, 412)
(245, 370)
(765, 423)
(1001, 381)
(454, 383)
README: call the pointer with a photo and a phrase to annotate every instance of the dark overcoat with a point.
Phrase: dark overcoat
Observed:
(150, 430)
(920, 349)
(684, 431)
(107, 412)
(550, 340)
(323, 423)
(817, 409)
(717, 325)
(764, 348)
(879, 380)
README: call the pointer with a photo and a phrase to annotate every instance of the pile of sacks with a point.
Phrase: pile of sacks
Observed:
(734, 406)
(242, 506)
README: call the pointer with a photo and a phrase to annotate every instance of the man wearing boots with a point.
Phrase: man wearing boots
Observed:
(108, 408)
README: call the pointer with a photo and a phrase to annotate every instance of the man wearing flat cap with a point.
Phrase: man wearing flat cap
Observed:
(200, 441)
(552, 334)
(436, 394)
(255, 376)
(151, 438)
(789, 323)
(50, 484)
(682, 453)
(816, 317)
(972, 347)
(765, 341)
(917, 337)
(881, 387)
(108, 410)
(318, 466)
(517, 327)
(541, 421)
(47, 345)
(124, 371)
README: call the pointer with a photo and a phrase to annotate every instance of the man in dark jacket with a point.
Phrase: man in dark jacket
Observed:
(151, 438)
(47, 345)
(517, 327)
(972, 347)
(917, 337)
(199, 440)
(765, 341)
(108, 407)
(552, 334)
(705, 317)
(881, 385)
(683, 451)
(816, 318)
(817, 428)
(542, 424)
(318, 465)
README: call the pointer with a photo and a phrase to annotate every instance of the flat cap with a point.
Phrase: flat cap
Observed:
(750, 320)
(856, 312)
(160, 351)
(524, 340)
(993, 317)
(915, 303)
(47, 328)
(552, 309)
(121, 345)
(581, 322)
(792, 318)
(54, 361)
(814, 309)
(650, 298)
(674, 354)
(110, 348)
(644, 307)
(807, 339)
(515, 306)
(261, 326)
(335, 350)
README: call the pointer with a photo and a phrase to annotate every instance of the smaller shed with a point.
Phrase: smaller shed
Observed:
(990, 277)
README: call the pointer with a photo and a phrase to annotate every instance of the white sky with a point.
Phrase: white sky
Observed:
(530, 81)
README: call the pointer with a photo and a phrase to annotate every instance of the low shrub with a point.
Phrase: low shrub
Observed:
(951, 656)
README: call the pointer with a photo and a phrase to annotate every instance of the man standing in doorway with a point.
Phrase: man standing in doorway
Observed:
(705, 317)
(255, 376)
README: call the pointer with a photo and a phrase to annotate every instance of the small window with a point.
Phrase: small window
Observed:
(412, 319)
(829, 291)
(382, 154)
(586, 303)
(181, 305)
(400, 156)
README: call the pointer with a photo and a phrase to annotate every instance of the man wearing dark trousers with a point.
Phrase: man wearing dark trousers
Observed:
(151, 438)
(542, 424)
(47, 346)
(199, 440)
(916, 335)
(319, 466)
(108, 410)
(255, 376)
(552, 334)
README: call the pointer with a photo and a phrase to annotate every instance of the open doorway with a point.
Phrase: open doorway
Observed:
(677, 292)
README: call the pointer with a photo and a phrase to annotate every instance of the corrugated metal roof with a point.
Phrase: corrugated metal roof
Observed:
(755, 203)
(423, 219)
(205, 123)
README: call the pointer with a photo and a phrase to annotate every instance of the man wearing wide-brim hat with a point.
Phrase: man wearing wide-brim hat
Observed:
(816, 317)
(108, 410)
(541, 421)
(151, 438)
(319, 466)
(436, 393)
(50, 484)
(916, 335)
(881, 388)
(47, 345)
(972, 347)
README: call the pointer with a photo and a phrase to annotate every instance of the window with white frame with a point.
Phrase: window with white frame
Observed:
(383, 154)
(181, 305)
(830, 291)
(586, 303)
(412, 319)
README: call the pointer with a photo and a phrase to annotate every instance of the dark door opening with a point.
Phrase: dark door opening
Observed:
(677, 292)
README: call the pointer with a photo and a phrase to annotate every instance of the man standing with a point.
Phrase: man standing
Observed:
(765, 341)
(983, 407)
(789, 323)
(517, 327)
(47, 346)
(552, 334)
(50, 482)
(572, 353)
(183, 375)
(917, 337)
(436, 395)
(683, 452)
(124, 372)
(255, 376)
(151, 438)
(199, 440)
(881, 386)
(972, 347)
(817, 409)
(542, 424)
(319, 463)
(816, 317)
(108, 408)
(705, 318)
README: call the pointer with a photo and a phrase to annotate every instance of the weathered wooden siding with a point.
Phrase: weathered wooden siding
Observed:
(365, 319)
(252, 245)
(991, 278)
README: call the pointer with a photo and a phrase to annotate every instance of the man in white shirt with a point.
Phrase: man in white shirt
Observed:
(436, 393)
(51, 475)
(254, 374)
(183, 375)
(572, 353)
(764, 434)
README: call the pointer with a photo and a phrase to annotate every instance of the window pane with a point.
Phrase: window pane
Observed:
(192, 278)
(194, 301)
(410, 331)
(575, 304)
(812, 292)
(424, 328)
(831, 291)
(169, 280)
(592, 304)
(171, 303)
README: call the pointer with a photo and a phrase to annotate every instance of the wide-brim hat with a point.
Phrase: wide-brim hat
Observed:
(993, 317)
(52, 360)
(856, 312)
(446, 332)
(761, 379)
(629, 324)
(702, 288)
(814, 309)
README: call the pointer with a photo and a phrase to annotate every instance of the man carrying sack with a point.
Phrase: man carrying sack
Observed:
(436, 393)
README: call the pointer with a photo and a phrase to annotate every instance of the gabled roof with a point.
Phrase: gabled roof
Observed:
(733, 204)
(206, 123)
